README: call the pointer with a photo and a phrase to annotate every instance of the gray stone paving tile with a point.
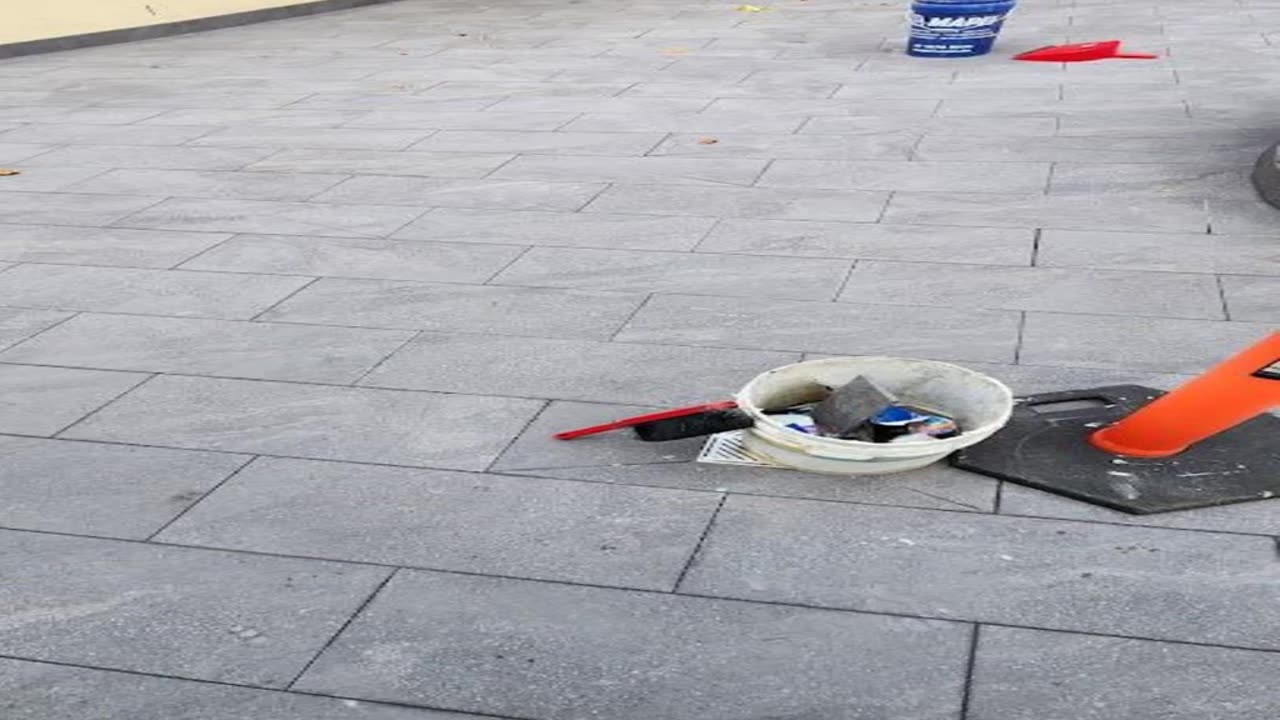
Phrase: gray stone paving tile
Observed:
(589, 74)
(1164, 126)
(1032, 379)
(900, 175)
(200, 98)
(658, 170)
(523, 648)
(1151, 178)
(175, 611)
(426, 120)
(938, 89)
(1258, 517)
(131, 290)
(397, 100)
(1177, 252)
(700, 274)
(982, 335)
(1156, 344)
(765, 203)
(39, 691)
(52, 208)
(1158, 92)
(15, 152)
(182, 157)
(630, 232)
(496, 90)
(1071, 212)
(523, 72)
(310, 421)
(915, 243)
(285, 117)
(703, 122)
(1256, 299)
(940, 128)
(266, 351)
(374, 162)
(901, 109)
(497, 194)
(86, 115)
(101, 246)
(1135, 581)
(86, 134)
(1016, 107)
(1032, 674)
(103, 490)
(209, 184)
(345, 137)
(1244, 216)
(619, 458)
(357, 258)
(746, 88)
(569, 531)
(540, 143)
(42, 401)
(887, 145)
(1104, 292)
(460, 308)
(1120, 150)
(572, 369)
(264, 216)
(17, 324)
(627, 105)
(46, 179)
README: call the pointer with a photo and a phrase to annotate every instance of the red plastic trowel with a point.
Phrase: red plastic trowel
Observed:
(1081, 52)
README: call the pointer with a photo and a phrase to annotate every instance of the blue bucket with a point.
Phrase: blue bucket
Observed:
(955, 28)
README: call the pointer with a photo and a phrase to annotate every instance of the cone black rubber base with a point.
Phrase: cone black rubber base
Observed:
(1046, 446)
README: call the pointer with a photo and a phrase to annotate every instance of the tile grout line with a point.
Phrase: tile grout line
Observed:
(844, 282)
(706, 235)
(73, 314)
(967, 697)
(341, 629)
(288, 296)
(515, 437)
(223, 683)
(490, 175)
(622, 326)
(649, 153)
(666, 593)
(606, 188)
(149, 377)
(702, 539)
(1222, 296)
(178, 265)
(414, 335)
(507, 266)
(166, 525)
(1022, 328)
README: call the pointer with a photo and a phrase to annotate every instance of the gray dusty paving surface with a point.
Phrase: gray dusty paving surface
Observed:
(288, 312)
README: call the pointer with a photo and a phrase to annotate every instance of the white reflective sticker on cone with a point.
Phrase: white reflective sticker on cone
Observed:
(1270, 372)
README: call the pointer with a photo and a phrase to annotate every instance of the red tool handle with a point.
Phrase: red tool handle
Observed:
(640, 419)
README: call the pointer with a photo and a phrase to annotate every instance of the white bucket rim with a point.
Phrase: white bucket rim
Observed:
(861, 451)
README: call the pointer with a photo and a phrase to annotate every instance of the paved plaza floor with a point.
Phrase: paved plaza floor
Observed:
(289, 311)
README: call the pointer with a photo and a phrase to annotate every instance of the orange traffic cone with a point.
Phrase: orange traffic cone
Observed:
(1136, 449)
(1239, 389)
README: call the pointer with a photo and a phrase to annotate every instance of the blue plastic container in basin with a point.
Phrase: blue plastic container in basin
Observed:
(951, 28)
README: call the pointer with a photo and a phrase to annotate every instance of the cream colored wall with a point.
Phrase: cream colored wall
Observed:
(22, 20)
